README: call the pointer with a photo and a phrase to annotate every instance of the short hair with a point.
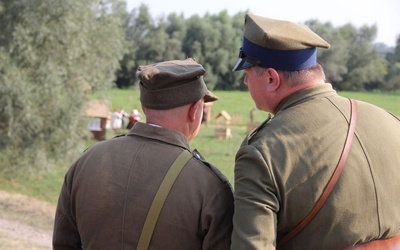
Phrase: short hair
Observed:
(303, 76)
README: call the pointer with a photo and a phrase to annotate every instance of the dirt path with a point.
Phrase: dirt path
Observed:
(25, 223)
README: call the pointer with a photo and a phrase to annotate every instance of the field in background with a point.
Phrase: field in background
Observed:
(220, 152)
(238, 104)
(388, 101)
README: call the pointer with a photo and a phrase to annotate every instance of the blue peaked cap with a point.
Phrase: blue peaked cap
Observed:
(277, 44)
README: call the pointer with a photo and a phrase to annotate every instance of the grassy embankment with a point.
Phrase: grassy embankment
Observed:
(220, 152)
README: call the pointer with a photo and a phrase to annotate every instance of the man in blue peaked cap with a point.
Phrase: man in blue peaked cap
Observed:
(323, 173)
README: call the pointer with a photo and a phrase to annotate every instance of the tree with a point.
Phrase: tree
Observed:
(136, 26)
(176, 30)
(392, 79)
(365, 65)
(55, 52)
(224, 55)
(332, 59)
(215, 41)
(352, 63)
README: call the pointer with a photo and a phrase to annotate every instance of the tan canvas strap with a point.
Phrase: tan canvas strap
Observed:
(160, 198)
(332, 182)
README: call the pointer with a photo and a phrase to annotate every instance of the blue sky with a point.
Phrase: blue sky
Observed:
(384, 13)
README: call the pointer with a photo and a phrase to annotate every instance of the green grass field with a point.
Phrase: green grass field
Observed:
(238, 104)
(220, 152)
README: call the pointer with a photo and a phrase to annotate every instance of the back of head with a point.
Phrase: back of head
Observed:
(282, 45)
(170, 84)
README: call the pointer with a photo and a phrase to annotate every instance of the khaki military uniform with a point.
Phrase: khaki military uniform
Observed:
(108, 191)
(282, 168)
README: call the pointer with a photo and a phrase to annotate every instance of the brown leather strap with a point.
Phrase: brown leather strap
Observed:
(384, 244)
(332, 182)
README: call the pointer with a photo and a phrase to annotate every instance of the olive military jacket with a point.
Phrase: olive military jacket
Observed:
(107, 193)
(282, 168)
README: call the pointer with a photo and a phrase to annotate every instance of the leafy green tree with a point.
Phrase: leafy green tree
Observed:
(392, 79)
(352, 63)
(55, 51)
(223, 56)
(176, 30)
(365, 65)
(236, 80)
(124, 74)
(193, 42)
(215, 41)
(333, 60)
(162, 42)
(137, 25)
(153, 46)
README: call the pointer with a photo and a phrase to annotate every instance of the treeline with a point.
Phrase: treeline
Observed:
(354, 62)
(52, 53)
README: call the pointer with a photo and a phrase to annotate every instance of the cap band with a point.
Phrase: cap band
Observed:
(289, 60)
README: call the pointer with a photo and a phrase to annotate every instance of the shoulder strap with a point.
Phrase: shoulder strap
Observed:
(160, 198)
(332, 182)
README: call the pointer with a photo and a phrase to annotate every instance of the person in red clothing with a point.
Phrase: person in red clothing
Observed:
(134, 117)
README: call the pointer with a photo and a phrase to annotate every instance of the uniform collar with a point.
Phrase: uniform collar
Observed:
(304, 95)
(165, 135)
(297, 98)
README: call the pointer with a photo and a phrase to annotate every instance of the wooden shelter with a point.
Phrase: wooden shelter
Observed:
(97, 112)
(223, 131)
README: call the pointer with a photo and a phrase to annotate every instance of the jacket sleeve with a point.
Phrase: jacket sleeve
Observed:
(256, 203)
(65, 234)
(217, 219)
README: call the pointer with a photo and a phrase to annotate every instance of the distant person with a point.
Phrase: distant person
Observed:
(134, 117)
(116, 119)
(108, 192)
(123, 115)
(282, 169)
(204, 116)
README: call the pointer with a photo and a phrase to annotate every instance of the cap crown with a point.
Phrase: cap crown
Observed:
(280, 35)
(171, 84)
(169, 73)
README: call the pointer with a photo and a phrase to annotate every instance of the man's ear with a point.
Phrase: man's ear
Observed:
(193, 109)
(273, 80)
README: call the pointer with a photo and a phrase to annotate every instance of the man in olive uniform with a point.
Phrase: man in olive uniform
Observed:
(109, 190)
(283, 167)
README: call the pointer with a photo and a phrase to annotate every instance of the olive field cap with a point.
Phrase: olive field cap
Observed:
(282, 45)
(170, 84)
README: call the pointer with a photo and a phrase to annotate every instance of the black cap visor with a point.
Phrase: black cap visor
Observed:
(245, 62)
(242, 64)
